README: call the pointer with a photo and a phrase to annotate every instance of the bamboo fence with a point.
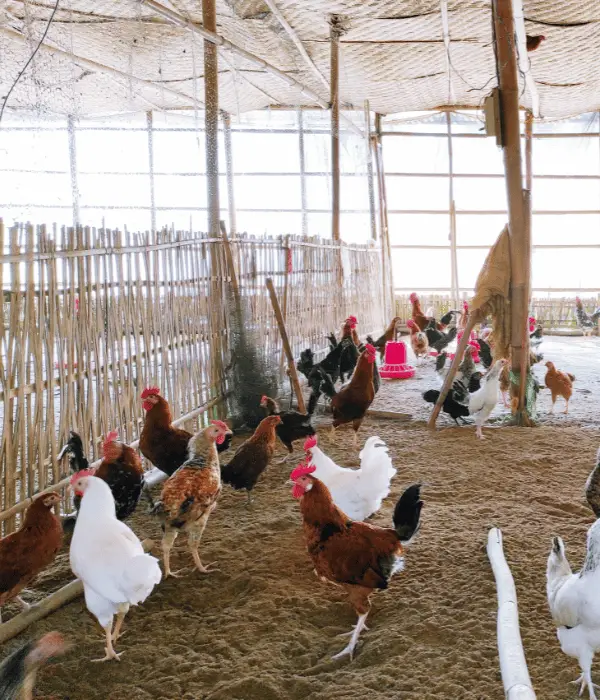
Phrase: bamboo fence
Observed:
(89, 317)
(552, 313)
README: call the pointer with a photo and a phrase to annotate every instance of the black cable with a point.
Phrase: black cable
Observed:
(37, 48)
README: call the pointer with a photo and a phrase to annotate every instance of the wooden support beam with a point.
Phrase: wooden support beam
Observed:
(452, 216)
(230, 171)
(334, 35)
(211, 116)
(286, 346)
(520, 246)
(528, 150)
(460, 351)
(386, 251)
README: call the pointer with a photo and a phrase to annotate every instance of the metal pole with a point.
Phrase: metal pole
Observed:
(150, 130)
(229, 169)
(303, 196)
(211, 116)
(75, 196)
(334, 35)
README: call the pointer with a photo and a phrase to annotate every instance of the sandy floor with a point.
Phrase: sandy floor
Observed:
(264, 626)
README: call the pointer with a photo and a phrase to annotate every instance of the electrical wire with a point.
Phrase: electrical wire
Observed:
(29, 60)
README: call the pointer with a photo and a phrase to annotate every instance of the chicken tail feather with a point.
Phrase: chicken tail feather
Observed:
(407, 514)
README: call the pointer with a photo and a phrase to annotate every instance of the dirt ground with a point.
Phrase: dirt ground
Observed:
(264, 627)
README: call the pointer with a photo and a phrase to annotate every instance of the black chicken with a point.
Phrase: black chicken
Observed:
(438, 340)
(485, 353)
(294, 425)
(451, 406)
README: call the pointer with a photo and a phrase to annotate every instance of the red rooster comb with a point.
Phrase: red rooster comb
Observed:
(80, 475)
(410, 323)
(465, 305)
(310, 442)
(263, 398)
(220, 424)
(413, 297)
(370, 349)
(150, 391)
(302, 470)
(352, 319)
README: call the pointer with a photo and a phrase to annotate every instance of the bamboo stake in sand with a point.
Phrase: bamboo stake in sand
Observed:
(54, 601)
(460, 351)
(513, 666)
(286, 346)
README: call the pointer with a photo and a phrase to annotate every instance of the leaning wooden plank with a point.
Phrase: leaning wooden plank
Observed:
(392, 415)
(54, 601)
(513, 666)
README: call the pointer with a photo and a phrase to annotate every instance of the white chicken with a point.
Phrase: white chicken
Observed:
(108, 558)
(356, 492)
(483, 401)
(574, 601)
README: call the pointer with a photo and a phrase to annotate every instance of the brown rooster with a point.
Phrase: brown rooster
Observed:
(162, 443)
(25, 553)
(351, 403)
(560, 384)
(418, 316)
(252, 457)
(359, 557)
(190, 495)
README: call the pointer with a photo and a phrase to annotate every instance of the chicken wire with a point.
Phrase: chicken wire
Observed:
(393, 55)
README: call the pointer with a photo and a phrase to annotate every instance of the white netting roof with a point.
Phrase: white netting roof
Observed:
(393, 54)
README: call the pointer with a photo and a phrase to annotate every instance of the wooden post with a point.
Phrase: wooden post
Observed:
(230, 263)
(334, 34)
(370, 181)
(286, 346)
(75, 197)
(528, 150)
(287, 252)
(513, 665)
(150, 130)
(460, 351)
(303, 196)
(211, 116)
(520, 247)
(229, 171)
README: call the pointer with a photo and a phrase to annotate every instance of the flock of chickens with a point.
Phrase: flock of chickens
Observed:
(117, 572)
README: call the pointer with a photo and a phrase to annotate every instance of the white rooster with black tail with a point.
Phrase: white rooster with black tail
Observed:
(574, 601)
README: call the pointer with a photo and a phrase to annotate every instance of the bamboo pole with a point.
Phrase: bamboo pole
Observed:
(229, 171)
(513, 665)
(286, 346)
(334, 36)
(386, 252)
(460, 351)
(56, 600)
(211, 116)
(452, 212)
(520, 246)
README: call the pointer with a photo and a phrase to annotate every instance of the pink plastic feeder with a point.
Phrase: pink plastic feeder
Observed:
(395, 366)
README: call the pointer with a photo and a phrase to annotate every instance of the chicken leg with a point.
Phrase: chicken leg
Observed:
(109, 649)
(194, 537)
(119, 623)
(168, 541)
(355, 634)
(585, 663)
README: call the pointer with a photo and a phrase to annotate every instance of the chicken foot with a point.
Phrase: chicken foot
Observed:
(355, 634)
(23, 603)
(110, 653)
(585, 679)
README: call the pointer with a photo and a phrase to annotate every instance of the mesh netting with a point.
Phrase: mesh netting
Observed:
(394, 55)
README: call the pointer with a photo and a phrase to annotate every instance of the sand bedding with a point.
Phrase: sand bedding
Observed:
(263, 627)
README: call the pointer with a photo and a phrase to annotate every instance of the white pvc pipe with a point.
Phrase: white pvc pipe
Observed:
(513, 666)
